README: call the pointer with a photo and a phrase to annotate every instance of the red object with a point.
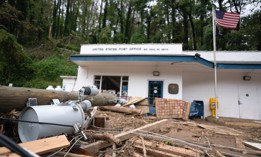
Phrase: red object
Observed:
(227, 19)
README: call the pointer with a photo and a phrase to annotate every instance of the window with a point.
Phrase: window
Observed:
(173, 88)
(117, 85)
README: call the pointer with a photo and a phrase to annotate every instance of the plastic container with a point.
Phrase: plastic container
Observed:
(50, 87)
(197, 109)
(58, 88)
(212, 106)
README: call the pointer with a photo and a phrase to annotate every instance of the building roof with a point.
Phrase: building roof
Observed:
(169, 58)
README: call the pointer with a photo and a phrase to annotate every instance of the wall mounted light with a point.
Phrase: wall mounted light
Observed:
(156, 73)
(246, 78)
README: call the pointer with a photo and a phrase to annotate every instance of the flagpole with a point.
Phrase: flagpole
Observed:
(214, 53)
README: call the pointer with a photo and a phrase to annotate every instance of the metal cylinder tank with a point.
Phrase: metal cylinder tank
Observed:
(55, 119)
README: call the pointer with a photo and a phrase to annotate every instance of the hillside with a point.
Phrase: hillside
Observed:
(37, 66)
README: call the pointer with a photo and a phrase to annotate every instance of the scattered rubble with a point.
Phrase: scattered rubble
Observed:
(124, 132)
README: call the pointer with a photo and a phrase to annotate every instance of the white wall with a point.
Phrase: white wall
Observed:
(68, 84)
(138, 78)
(193, 85)
(229, 56)
(200, 86)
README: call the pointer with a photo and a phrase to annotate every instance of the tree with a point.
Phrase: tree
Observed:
(15, 66)
(251, 27)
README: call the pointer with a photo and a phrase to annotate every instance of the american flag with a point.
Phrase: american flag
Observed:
(227, 19)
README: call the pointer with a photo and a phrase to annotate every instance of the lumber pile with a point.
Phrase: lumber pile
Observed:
(95, 147)
(162, 149)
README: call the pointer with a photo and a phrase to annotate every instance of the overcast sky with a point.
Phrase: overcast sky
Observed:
(251, 9)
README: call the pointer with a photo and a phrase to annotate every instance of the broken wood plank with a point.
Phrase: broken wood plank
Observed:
(253, 145)
(96, 146)
(136, 155)
(187, 111)
(239, 142)
(244, 151)
(105, 136)
(155, 152)
(169, 149)
(243, 124)
(77, 150)
(41, 146)
(71, 155)
(220, 130)
(144, 147)
(135, 100)
(143, 106)
(121, 110)
(218, 154)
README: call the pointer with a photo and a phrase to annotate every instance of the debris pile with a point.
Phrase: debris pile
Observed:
(128, 131)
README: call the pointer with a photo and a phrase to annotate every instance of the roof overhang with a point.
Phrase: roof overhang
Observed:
(80, 59)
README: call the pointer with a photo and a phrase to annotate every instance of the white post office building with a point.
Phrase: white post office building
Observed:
(165, 70)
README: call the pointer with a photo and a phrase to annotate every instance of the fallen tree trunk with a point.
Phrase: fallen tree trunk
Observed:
(121, 110)
(17, 97)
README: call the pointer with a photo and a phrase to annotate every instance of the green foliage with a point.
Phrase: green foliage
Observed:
(208, 38)
(49, 70)
(73, 47)
(236, 41)
(252, 30)
(138, 36)
(105, 35)
(15, 65)
(40, 83)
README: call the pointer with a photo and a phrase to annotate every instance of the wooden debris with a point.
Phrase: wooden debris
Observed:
(136, 155)
(62, 154)
(105, 137)
(155, 152)
(143, 106)
(41, 146)
(113, 148)
(233, 122)
(121, 110)
(169, 149)
(96, 146)
(244, 151)
(253, 145)
(155, 136)
(159, 137)
(221, 130)
(80, 151)
(144, 147)
(239, 142)
(100, 121)
(218, 154)
(134, 100)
